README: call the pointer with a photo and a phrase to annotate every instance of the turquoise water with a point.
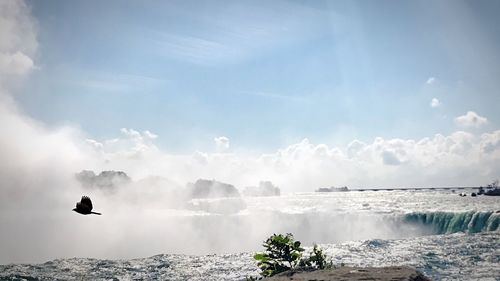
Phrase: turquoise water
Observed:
(447, 222)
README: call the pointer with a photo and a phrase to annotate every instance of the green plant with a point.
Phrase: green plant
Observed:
(316, 260)
(282, 253)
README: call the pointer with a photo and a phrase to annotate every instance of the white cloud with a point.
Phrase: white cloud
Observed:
(97, 145)
(17, 28)
(17, 40)
(138, 137)
(435, 103)
(431, 80)
(131, 133)
(354, 148)
(471, 119)
(150, 135)
(134, 145)
(221, 144)
(17, 63)
(390, 158)
(490, 142)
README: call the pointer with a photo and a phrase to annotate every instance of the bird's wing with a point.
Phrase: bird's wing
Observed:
(86, 201)
(82, 207)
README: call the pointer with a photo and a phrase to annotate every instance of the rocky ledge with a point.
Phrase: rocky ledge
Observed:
(354, 273)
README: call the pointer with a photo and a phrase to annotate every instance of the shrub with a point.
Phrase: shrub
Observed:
(316, 260)
(282, 253)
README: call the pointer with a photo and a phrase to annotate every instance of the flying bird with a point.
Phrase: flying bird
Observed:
(84, 207)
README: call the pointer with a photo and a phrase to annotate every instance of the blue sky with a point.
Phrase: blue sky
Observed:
(264, 73)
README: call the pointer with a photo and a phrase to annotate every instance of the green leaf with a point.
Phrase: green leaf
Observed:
(296, 255)
(259, 256)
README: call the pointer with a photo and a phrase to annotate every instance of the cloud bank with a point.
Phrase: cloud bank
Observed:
(461, 158)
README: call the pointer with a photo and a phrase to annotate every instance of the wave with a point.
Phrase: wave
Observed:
(447, 222)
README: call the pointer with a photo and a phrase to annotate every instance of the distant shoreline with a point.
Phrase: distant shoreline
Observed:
(409, 188)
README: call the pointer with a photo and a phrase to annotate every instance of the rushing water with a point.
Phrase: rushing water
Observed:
(445, 236)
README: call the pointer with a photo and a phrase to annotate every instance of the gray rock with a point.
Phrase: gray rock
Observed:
(107, 180)
(400, 273)
(211, 189)
(265, 188)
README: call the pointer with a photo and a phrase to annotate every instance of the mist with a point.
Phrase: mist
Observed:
(151, 215)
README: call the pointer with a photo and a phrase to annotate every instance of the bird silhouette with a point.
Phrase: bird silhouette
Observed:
(84, 207)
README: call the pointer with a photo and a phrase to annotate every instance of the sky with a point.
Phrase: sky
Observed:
(363, 94)
(301, 93)
(264, 74)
